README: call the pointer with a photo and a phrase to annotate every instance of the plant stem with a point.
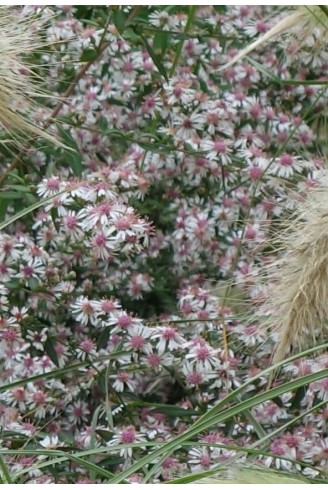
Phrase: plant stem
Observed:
(192, 11)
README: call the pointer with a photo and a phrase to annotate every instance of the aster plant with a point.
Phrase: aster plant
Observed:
(148, 245)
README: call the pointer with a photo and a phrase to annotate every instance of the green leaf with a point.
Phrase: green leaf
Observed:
(93, 439)
(67, 437)
(106, 435)
(5, 470)
(217, 415)
(30, 199)
(194, 477)
(169, 410)
(287, 425)
(131, 35)
(103, 338)
(55, 373)
(161, 41)
(191, 15)
(65, 119)
(119, 20)
(72, 157)
(156, 59)
(9, 195)
(33, 284)
(54, 217)
(3, 209)
(103, 124)
(19, 188)
(75, 162)
(50, 350)
(88, 54)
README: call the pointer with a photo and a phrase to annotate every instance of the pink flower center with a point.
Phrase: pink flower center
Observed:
(87, 308)
(261, 27)
(123, 377)
(169, 334)
(205, 461)
(203, 314)
(122, 224)
(137, 341)
(124, 321)
(28, 270)
(286, 160)
(153, 360)
(203, 353)
(39, 398)
(100, 240)
(255, 173)
(220, 147)
(28, 362)
(78, 412)
(195, 378)
(70, 222)
(128, 435)
(104, 208)
(86, 345)
(19, 394)
(187, 124)
(9, 335)
(250, 233)
(3, 268)
(108, 306)
(52, 184)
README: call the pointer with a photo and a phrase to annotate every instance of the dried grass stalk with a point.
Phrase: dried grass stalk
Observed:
(300, 24)
(298, 294)
(19, 38)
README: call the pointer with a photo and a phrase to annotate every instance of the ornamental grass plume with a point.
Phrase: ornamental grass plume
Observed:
(251, 475)
(305, 21)
(19, 38)
(297, 298)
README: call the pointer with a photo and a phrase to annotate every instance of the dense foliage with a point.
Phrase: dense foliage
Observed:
(119, 327)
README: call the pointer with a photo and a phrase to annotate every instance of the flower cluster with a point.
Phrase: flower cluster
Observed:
(119, 323)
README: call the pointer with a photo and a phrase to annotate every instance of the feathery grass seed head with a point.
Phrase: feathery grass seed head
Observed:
(19, 38)
(298, 292)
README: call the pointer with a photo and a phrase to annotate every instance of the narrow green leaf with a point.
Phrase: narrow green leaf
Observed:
(118, 18)
(50, 351)
(71, 155)
(161, 41)
(106, 435)
(59, 372)
(191, 15)
(29, 210)
(18, 187)
(88, 54)
(5, 471)
(3, 209)
(324, 9)
(54, 217)
(275, 79)
(156, 59)
(212, 418)
(103, 338)
(272, 434)
(9, 195)
(93, 439)
(227, 414)
(194, 477)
